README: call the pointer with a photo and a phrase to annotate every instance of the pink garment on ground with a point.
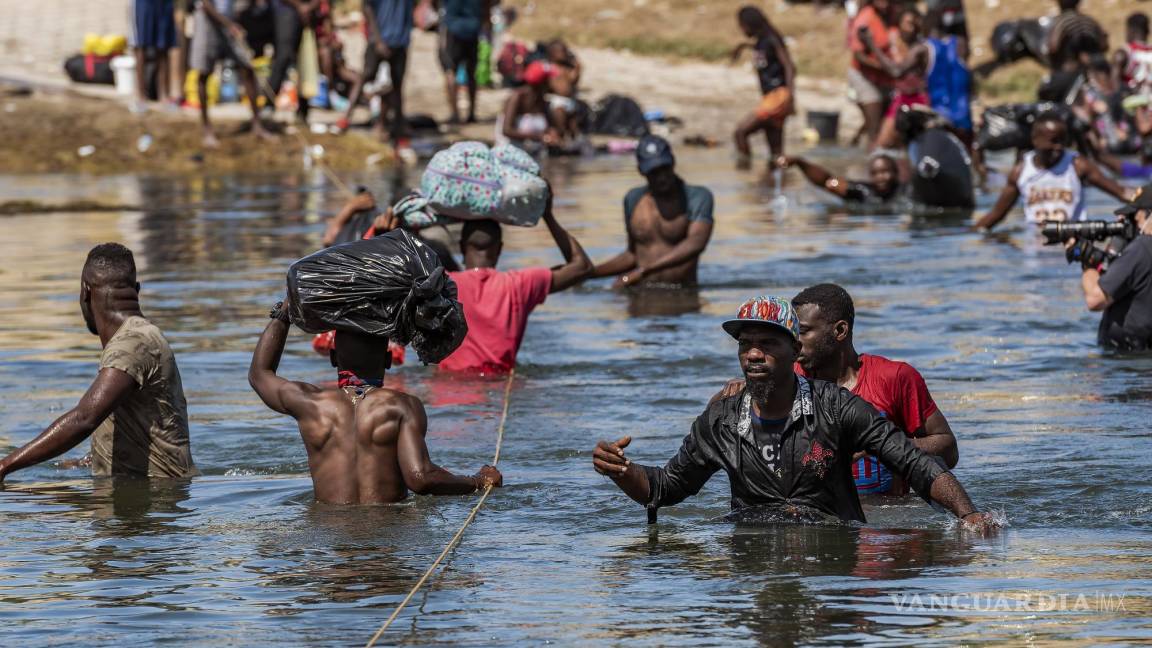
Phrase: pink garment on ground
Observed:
(496, 305)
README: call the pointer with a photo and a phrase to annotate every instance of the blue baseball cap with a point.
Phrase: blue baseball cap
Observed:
(652, 153)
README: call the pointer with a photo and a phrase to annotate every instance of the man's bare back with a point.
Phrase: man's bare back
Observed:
(365, 443)
(354, 443)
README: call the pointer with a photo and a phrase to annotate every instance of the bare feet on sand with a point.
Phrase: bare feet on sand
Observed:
(209, 140)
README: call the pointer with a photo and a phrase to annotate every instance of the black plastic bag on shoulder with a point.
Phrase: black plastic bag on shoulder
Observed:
(392, 285)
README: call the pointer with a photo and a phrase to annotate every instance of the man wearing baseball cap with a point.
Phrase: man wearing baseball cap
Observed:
(786, 442)
(668, 223)
(1124, 290)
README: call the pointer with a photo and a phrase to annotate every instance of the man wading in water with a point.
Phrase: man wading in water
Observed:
(785, 441)
(668, 223)
(365, 443)
(135, 409)
(826, 316)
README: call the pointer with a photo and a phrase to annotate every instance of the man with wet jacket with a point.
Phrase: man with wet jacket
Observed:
(785, 441)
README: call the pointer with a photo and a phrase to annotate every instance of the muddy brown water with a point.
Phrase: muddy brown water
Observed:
(1053, 433)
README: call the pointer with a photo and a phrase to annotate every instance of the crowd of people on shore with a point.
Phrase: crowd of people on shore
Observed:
(810, 426)
(228, 37)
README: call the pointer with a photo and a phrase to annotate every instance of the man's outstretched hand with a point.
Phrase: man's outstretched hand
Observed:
(608, 458)
(490, 476)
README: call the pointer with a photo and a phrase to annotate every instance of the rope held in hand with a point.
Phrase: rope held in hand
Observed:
(468, 520)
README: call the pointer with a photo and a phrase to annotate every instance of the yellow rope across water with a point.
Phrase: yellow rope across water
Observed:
(468, 520)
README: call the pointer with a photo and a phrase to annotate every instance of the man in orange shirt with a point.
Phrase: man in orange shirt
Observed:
(869, 81)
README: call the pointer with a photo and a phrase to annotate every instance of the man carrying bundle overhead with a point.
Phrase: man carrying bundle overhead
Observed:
(365, 442)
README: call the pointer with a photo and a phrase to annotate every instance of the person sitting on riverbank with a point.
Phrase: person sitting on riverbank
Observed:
(563, 85)
(219, 35)
(883, 185)
(826, 316)
(365, 443)
(668, 223)
(497, 304)
(526, 120)
(1050, 178)
(777, 76)
(786, 441)
(135, 410)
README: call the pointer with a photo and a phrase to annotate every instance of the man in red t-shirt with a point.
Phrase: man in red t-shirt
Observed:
(896, 390)
(497, 304)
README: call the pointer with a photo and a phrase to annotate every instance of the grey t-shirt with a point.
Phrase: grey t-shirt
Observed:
(698, 201)
(1127, 323)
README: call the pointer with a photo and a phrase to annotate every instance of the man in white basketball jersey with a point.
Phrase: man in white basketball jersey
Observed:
(1050, 179)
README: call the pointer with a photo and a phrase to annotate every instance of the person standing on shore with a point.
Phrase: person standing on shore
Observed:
(389, 27)
(153, 30)
(461, 24)
(868, 81)
(220, 32)
(777, 76)
(135, 410)
(291, 18)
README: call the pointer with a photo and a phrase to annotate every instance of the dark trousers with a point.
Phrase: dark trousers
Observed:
(394, 102)
(289, 29)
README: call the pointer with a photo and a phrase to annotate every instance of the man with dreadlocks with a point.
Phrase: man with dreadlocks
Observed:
(135, 410)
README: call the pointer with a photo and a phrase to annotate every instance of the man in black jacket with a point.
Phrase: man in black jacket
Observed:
(785, 441)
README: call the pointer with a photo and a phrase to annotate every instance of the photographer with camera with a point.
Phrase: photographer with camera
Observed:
(1122, 288)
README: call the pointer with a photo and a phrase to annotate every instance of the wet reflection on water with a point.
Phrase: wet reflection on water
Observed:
(1052, 432)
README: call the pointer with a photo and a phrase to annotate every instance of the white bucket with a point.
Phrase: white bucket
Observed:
(124, 71)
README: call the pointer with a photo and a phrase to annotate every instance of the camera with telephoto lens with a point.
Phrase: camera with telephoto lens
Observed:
(1056, 232)
(1086, 251)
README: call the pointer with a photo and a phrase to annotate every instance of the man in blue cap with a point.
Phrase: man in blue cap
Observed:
(785, 441)
(668, 223)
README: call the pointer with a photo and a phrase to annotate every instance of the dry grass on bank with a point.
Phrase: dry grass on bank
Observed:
(696, 29)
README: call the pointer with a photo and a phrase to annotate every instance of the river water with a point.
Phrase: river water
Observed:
(1053, 434)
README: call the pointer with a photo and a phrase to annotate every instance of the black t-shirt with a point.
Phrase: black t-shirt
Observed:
(767, 434)
(768, 66)
(866, 193)
(1127, 323)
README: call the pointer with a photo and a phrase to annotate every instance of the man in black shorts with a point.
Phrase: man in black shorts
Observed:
(460, 46)
(883, 185)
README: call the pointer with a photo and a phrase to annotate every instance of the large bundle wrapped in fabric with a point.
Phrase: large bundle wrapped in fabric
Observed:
(392, 285)
(470, 181)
